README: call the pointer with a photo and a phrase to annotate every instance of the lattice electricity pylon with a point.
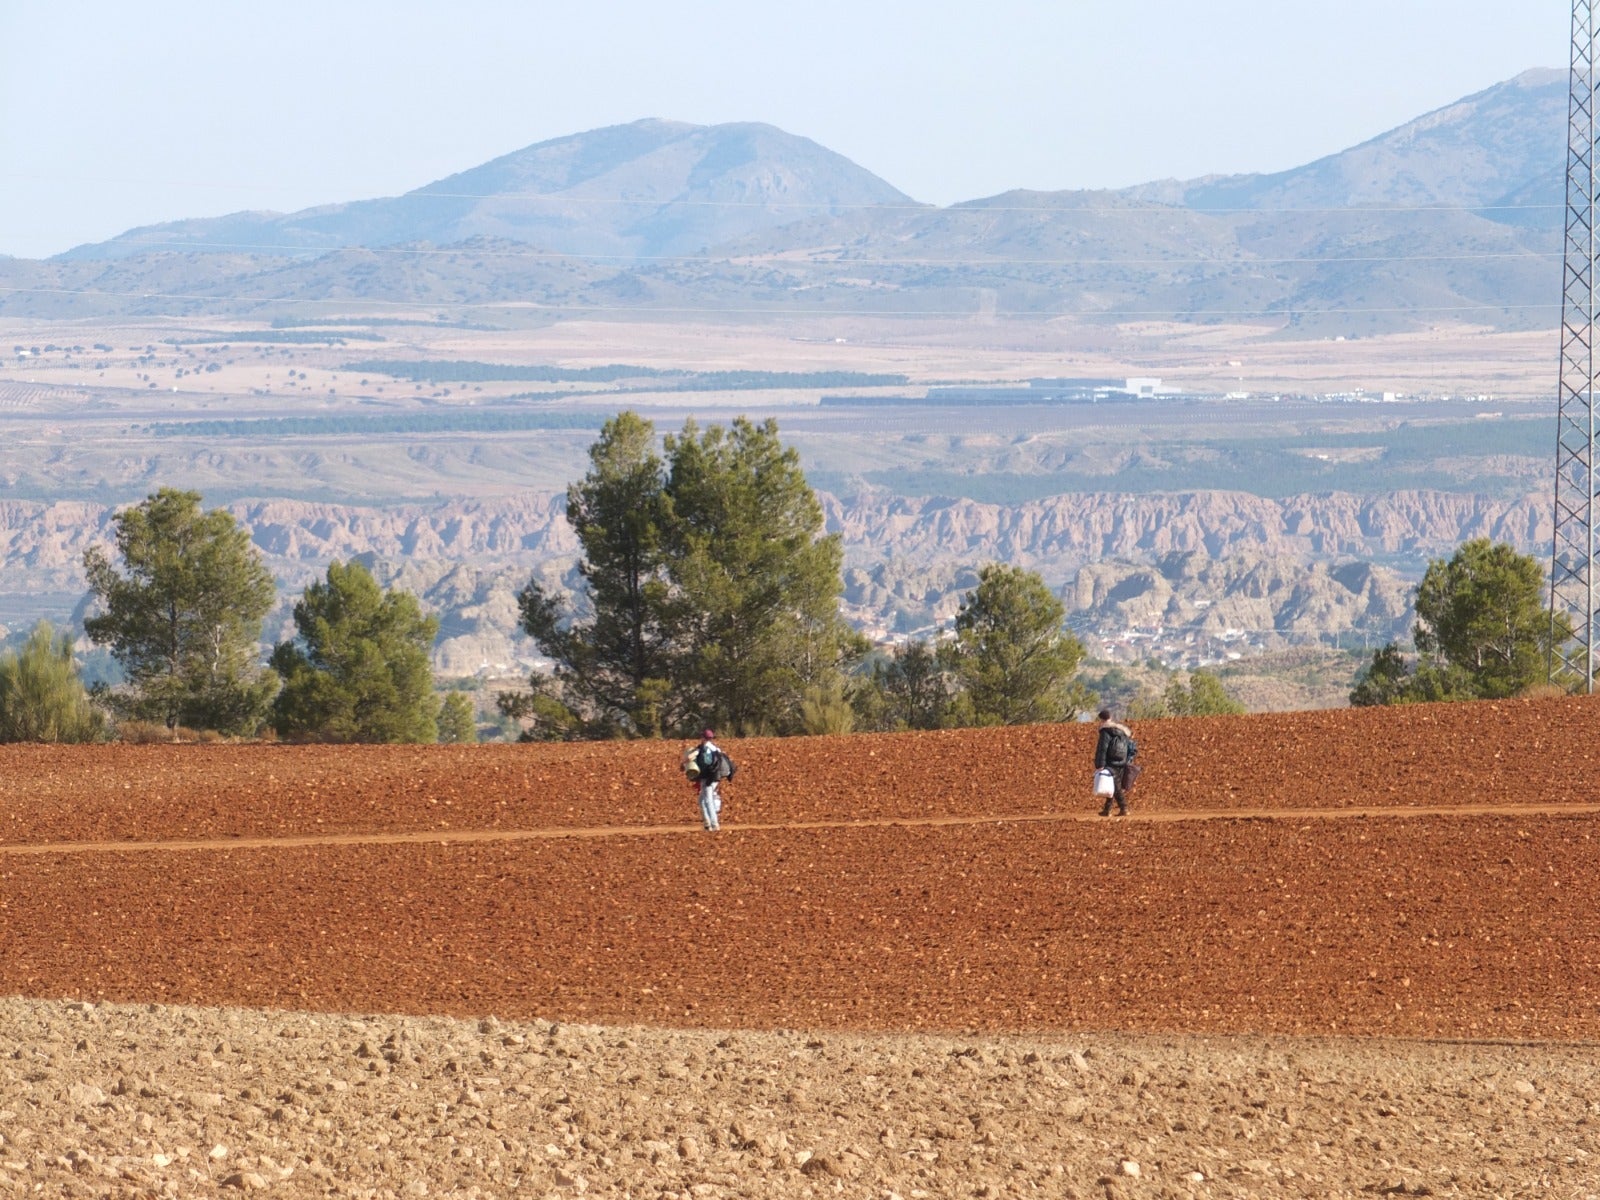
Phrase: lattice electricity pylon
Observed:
(1573, 577)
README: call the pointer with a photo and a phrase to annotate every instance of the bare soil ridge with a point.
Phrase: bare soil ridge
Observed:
(137, 1102)
(1510, 753)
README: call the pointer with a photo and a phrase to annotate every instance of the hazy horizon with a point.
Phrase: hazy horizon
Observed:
(113, 117)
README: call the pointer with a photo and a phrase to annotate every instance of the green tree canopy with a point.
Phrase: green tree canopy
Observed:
(1203, 697)
(458, 719)
(42, 699)
(1011, 657)
(713, 593)
(184, 620)
(755, 608)
(1483, 612)
(913, 687)
(1482, 631)
(1382, 681)
(613, 668)
(359, 671)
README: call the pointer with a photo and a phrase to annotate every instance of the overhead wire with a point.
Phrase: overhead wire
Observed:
(963, 314)
(979, 206)
(789, 258)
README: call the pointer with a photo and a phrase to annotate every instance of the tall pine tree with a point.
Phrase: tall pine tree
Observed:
(613, 669)
(1012, 659)
(755, 607)
(184, 620)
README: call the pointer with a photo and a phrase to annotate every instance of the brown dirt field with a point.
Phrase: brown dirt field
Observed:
(1417, 757)
(140, 1102)
(1005, 994)
(1472, 923)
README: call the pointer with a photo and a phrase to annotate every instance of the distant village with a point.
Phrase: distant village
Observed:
(1098, 391)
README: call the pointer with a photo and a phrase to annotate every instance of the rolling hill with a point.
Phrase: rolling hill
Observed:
(1455, 216)
(626, 192)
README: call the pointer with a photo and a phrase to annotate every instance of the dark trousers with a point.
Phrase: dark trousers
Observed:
(1122, 780)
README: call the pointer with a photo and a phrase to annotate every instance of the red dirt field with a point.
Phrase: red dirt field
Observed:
(1283, 911)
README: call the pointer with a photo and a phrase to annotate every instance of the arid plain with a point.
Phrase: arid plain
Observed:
(1335, 953)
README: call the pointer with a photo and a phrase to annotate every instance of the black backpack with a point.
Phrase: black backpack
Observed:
(1120, 749)
(714, 765)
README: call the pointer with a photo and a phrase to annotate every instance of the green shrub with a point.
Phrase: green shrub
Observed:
(42, 699)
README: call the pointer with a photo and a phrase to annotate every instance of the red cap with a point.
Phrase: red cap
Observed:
(706, 733)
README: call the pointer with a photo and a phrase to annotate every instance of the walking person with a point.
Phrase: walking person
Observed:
(711, 768)
(1114, 751)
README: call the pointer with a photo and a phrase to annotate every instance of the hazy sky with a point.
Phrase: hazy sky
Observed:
(115, 114)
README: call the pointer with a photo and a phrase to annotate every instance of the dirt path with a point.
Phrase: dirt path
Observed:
(445, 837)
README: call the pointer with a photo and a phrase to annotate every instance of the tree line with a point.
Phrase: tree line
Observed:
(709, 595)
(180, 609)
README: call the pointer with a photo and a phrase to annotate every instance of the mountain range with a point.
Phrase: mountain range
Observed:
(1455, 215)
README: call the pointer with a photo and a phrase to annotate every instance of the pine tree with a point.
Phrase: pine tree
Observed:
(613, 669)
(184, 621)
(359, 671)
(1012, 659)
(1381, 681)
(756, 583)
(458, 720)
(1482, 631)
(914, 687)
(1483, 614)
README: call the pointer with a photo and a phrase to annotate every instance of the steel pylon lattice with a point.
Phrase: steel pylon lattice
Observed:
(1573, 570)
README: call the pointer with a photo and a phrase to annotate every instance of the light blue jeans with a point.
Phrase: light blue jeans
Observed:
(710, 805)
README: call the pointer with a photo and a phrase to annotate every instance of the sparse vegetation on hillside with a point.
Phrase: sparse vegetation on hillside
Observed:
(1299, 679)
(1201, 695)
(1501, 456)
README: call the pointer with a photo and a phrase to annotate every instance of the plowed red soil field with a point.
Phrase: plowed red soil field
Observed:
(1420, 871)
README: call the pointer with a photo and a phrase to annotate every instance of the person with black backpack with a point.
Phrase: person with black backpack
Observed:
(1114, 752)
(709, 766)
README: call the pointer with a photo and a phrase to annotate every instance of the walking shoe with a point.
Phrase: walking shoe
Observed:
(1106, 811)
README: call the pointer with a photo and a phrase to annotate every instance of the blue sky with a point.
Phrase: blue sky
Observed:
(114, 115)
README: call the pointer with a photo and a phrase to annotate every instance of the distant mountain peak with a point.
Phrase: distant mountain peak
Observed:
(1538, 77)
(648, 188)
(1472, 152)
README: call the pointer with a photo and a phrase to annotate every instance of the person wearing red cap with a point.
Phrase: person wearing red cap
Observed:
(708, 761)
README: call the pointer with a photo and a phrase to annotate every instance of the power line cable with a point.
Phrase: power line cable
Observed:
(784, 259)
(977, 207)
(737, 310)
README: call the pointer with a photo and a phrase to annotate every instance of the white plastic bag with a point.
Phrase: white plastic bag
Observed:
(1105, 784)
